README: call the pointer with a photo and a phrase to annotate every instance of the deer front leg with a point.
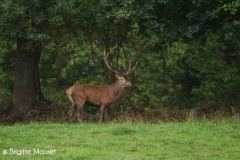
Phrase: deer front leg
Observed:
(105, 116)
(102, 112)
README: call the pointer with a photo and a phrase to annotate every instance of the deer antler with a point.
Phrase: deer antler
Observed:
(105, 60)
(130, 69)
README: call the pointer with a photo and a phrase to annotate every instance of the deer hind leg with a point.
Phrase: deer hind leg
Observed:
(79, 106)
(72, 111)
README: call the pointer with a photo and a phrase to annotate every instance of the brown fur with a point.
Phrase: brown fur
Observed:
(100, 95)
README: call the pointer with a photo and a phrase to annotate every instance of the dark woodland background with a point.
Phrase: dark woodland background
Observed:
(187, 55)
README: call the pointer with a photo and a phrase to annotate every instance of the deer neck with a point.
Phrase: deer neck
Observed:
(118, 91)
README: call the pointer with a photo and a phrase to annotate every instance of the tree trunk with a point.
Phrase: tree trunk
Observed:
(26, 92)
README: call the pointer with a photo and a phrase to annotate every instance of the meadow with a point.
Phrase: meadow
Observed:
(176, 140)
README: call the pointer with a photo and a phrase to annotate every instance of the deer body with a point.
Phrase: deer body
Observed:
(101, 95)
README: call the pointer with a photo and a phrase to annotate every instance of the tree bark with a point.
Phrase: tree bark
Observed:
(26, 92)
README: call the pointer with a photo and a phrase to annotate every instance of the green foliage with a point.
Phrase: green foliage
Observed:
(187, 51)
(216, 70)
(163, 73)
(232, 6)
(43, 21)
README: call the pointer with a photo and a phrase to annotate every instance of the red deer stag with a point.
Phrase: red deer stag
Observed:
(100, 95)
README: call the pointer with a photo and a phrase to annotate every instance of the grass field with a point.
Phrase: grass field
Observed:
(186, 140)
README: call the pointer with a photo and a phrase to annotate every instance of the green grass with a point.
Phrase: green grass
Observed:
(188, 140)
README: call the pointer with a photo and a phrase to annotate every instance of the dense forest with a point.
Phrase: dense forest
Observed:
(187, 52)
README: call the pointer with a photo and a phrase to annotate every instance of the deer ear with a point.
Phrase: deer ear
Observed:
(117, 76)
